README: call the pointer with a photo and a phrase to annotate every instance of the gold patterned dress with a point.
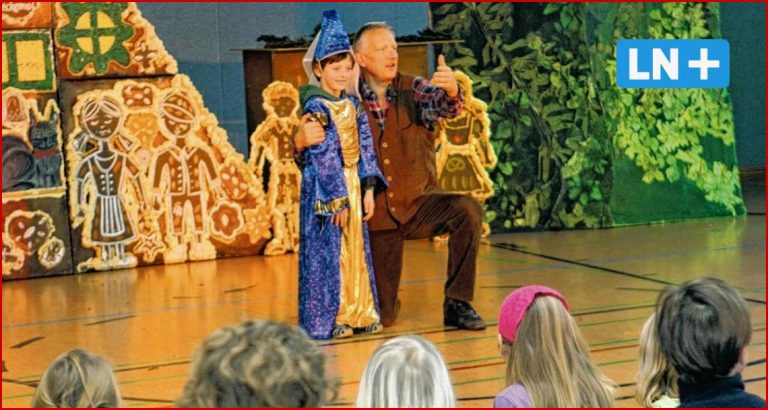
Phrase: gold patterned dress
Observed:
(357, 307)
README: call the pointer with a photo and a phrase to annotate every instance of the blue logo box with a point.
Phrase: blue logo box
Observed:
(673, 63)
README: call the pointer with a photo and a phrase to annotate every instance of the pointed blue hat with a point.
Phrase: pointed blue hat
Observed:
(333, 39)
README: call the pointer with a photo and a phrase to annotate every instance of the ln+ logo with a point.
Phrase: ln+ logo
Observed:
(672, 63)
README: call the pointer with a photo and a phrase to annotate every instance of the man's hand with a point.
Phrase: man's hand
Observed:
(340, 219)
(444, 78)
(310, 133)
(368, 205)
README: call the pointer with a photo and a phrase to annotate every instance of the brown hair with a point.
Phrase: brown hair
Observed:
(336, 58)
(332, 59)
(550, 358)
(655, 376)
(257, 364)
(703, 325)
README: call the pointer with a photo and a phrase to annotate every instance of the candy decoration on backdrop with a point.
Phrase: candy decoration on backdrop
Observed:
(97, 39)
(153, 175)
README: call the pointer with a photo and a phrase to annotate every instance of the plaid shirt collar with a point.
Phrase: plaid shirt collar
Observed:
(378, 112)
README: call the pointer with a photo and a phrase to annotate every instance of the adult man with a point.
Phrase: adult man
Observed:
(402, 111)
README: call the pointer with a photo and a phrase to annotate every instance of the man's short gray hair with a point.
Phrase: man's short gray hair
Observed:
(374, 25)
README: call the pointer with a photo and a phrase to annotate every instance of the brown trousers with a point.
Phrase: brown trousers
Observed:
(440, 213)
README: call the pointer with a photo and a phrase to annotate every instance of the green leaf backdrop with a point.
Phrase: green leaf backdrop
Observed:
(574, 149)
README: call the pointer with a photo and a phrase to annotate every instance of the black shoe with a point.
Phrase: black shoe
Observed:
(462, 315)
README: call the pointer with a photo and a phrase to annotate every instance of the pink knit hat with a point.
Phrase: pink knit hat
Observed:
(517, 303)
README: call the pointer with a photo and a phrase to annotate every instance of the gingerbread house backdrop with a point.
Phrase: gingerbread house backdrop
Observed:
(110, 157)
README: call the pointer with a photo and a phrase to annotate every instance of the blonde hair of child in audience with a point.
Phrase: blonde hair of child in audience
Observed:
(656, 378)
(550, 358)
(77, 378)
(406, 371)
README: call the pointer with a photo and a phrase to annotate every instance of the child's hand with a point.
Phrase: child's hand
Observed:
(340, 219)
(368, 205)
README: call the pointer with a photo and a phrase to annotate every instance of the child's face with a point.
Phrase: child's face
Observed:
(334, 77)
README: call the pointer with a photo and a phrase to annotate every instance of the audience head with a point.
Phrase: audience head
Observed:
(257, 364)
(77, 379)
(546, 352)
(704, 329)
(655, 376)
(406, 371)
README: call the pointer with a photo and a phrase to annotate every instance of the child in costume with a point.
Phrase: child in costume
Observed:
(337, 291)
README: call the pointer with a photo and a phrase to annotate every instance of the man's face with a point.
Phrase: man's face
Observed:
(378, 54)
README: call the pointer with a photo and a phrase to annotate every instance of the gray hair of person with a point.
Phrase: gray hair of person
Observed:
(368, 27)
(257, 364)
(703, 325)
(406, 371)
(77, 378)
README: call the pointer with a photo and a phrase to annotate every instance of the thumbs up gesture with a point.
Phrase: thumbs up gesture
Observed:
(443, 78)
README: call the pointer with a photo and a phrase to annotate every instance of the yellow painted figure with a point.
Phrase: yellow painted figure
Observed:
(465, 150)
(272, 147)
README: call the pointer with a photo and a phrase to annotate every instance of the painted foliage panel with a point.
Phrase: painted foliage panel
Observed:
(574, 150)
(153, 177)
(97, 39)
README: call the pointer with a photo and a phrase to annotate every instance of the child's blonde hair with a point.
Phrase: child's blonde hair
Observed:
(406, 371)
(655, 376)
(77, 379)
(550, 358)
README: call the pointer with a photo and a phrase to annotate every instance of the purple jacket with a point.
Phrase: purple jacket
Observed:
(513, 396)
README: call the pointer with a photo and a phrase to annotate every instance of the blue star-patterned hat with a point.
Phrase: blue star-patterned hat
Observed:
(332, 37)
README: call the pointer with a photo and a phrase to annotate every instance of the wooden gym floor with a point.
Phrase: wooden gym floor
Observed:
(149, 321)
